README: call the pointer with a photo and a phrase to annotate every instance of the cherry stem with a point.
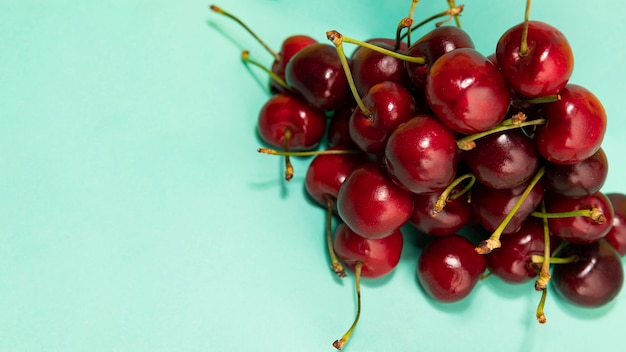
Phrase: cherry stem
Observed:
(245, 57)
(541, 100)
(336, 36)
(540, 259)
(453, 12)
(541, 317)
(338, 344)
(411, 12)
(517, 121)
(523, 48)
(337, 40)
(594, 214)
(335, 263)
(544, 273)
(307, 152)
(493, 241)
(457, 20)
(288, 165)
(406, 22)
(219, 10)
(446, 196)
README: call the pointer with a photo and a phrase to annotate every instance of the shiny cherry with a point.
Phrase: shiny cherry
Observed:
(371, 204)
(290, 46)
(454, 216)
(594, 279)
(577, 180)
(370, 67)
(448, 268)
(617, 234)
(466, 91)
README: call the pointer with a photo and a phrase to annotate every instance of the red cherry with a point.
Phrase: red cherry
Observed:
(594, 279)
(544, 69)
(285, 112)
(467, 92)
(421, 155)
(449, 268)
(339, 126)
(577, 180)
(580, 229)
(617, 234)
(316, 73)
(454, 216)
(291, 46)
(370, 67)
(575, 126)
(371, 204)
(390, 105)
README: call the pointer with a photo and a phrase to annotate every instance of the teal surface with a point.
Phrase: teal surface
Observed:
(136, 214)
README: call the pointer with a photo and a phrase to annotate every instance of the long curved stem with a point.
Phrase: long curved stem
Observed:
(338, 344)
(335, 263)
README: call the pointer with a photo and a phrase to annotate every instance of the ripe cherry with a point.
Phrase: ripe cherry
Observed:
(316, 73)
(327, 172)
(594, 279)
(454, 216)
(577, 180)
(575, 126)
(370, 67)
(543, 68)
(421, 155)
(448, 268)
(466, 91)
(617, 234)
(338, 133)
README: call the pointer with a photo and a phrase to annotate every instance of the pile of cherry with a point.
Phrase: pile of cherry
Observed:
(437, 136)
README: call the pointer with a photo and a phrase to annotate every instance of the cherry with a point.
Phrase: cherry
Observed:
(466, 91)
(544, 67)
(338, 132)
(432, 46)
(617, 234)
(575, 126)
(421, 155)
(586, 228)
(577, 180)
(371, 204)
(512, 263)
(389, 105)
(370, 67)
(594, 279)
(316, 73)
(448, 268)
(454, 216)
(491, 206)
(503, 160)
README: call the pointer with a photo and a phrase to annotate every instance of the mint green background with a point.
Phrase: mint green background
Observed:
(136, 215)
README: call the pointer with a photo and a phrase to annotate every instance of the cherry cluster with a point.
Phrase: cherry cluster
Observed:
(436, 136)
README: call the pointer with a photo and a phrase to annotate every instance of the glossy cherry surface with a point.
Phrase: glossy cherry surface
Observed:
(503, 160)
(617, 234)
(421, 155)
(285, 111)
(391, 104)
(579, 229)
(575, 126)
(577, 180)
(594, 279)
(448, 268)
(371, 204)
(466, 91)
(290, 46)
(315, 72)
(545, 68)
(370, 67)
(379, 256)
(454, 216)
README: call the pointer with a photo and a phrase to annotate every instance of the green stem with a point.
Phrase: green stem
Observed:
(523, 48)
(468, 142)
(445, 195)
(338, 344)
(335, 263)
(245, 57)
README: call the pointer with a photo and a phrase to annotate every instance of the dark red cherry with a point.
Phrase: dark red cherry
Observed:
(370, 67)
(390, 105)
(421, 155)
(617, 234)
(454, 216)
(466, 91)
(316, 73)
(448, 268)
(338, 132)
(577, 180)
(371, 204)
(379, 256)
(285, 112)
(512, 262)
(431, 46)
(491, 205)
(291, 45)
(327, 172)
(503, 160)
(580, 229)
(547, 66)
(594, 279)
(575, 126)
